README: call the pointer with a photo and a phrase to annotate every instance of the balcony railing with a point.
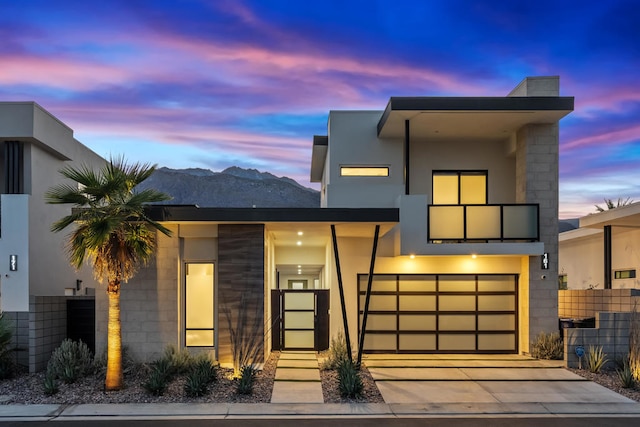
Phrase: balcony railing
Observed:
(481, 223)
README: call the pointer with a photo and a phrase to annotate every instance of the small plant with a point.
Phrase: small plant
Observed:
(202, 374)
(634, 343)
(181, 360)
(547, 346)
(50, 384)
(159, 377)
(596, 359)
(70, 361)
(337, 352)
(625, 375)
(350, 383)
(246, 380)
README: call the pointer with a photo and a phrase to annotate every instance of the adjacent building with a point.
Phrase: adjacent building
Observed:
(37, 284)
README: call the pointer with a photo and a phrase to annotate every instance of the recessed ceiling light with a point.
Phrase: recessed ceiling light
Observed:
(300, 233)
(474, 256)
(412, 256)
(298, 243)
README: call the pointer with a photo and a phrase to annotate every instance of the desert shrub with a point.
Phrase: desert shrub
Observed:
(596, 359)
(246, 379)
(625, 374)
(349, 381)
(337, 352)
(203, 372)
(160, 375)
(548, 346)
(70, 361)
(50, 384)
(7, 367)
(181, 360)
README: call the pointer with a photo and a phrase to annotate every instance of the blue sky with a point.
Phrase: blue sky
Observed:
(213, 84)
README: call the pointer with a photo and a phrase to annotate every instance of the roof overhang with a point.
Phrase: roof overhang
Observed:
(318, 157)
(622, 216)
(482, 117)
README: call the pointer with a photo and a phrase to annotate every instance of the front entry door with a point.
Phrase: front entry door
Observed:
(303, 319)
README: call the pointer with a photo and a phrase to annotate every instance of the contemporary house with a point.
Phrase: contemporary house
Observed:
(437, 233)
(39, 289)
(603, 253)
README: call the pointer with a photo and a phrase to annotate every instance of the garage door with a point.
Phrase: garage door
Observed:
(440, 313)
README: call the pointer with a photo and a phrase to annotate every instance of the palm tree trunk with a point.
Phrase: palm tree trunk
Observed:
(114, 379)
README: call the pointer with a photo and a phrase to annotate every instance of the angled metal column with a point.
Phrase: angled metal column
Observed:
(607, 257)
(368, 295)
(340, 287)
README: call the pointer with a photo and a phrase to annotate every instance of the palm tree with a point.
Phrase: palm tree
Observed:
(611, 205)
(112, 232)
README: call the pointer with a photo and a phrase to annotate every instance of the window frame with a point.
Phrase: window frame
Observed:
(631, 272)
(184, 328)
(459, 173)
(387, 168)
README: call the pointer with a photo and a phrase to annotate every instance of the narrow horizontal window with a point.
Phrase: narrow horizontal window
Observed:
(625, 274)
(364, 171)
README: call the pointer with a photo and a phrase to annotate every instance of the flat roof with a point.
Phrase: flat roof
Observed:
(479, 115)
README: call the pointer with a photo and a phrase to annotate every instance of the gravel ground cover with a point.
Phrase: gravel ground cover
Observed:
(609, 379)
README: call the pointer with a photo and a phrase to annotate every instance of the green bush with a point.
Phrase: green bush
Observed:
(625, 375)
(337, 352)
(50, 384)
(70, 361)
(596, 359)
(181, 360)
(160, 376)
(350, 383)
(548, 346)
(202, 374)
(246, 380)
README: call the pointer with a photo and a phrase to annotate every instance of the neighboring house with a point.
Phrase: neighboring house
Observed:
(36, 279)
(465, 193)
(604, 253)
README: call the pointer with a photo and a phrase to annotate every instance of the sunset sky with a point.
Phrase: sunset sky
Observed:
(213, 84)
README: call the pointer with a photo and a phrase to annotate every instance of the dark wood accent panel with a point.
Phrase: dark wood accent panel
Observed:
(322, 320)
(276, 316)
(240, 286)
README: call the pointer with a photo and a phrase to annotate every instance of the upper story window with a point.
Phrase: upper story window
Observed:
(459, 187)
(364, 170)
(625, 274)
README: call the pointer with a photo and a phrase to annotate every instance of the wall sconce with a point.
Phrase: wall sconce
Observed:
(78, 284)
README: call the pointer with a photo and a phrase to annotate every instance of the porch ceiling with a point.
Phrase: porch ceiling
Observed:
(319, 233)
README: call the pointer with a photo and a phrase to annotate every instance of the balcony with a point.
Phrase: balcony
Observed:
(483, 223)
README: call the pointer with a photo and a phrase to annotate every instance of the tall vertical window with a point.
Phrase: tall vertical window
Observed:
(199, 305)
(460, 187)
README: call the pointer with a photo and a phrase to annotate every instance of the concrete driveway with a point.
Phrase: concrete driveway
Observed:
(482, 379)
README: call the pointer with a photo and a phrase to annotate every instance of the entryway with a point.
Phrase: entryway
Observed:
(302, 319)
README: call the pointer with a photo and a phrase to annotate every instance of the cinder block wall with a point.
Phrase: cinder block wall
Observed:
(588, 302)
(611, 332)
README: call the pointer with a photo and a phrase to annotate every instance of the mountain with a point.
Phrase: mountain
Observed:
(234, 187)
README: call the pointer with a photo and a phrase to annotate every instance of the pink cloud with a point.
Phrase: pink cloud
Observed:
(614, 137)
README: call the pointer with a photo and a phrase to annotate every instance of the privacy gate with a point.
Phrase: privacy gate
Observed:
(300, 319)
(440, 313)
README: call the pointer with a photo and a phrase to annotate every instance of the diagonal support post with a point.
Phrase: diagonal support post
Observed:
(341, 289)
(368, 295)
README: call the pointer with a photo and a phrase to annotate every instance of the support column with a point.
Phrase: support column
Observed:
(607, 257)
(341, 289)
(368, 295)
(407, 157)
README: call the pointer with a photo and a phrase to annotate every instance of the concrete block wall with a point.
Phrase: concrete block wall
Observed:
(611, 332)
(588, 302)
(18, 321)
